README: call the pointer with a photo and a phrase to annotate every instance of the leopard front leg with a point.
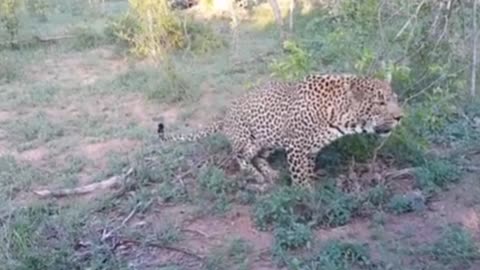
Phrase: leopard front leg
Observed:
(301, 165)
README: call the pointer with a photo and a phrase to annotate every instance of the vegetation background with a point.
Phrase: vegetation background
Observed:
(84, 184)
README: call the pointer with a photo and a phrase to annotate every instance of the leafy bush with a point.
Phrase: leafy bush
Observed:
(455, 247)
(293, 236)
(277, 208)
(214, 185)
(295, 64)
(150, 28)
(287, 205)
(336, 255)
(437, 174)
(38, 9)
(9, 17)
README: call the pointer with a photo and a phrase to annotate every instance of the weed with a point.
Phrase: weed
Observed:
(16, 177)
(10, 18)
(233, 255)
(293, 236)
(86, 38)
(34, 129)
(165, 84)
(166, 235)
(331, 207)
(285, 206)
(400, 204)
(437, 174)
(38, 9)
(10, 70)
(455, 247)
(277, 208)
(44, 237)
(296, 63)
(37, 95)
(337, 255)
(204, 40)
(214, 185)
(170, 192)
(150, 28)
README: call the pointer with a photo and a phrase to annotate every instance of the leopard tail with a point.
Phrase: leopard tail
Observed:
(212, 128)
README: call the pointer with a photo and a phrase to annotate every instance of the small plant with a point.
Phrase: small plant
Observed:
(166, 84)
(277, 208)
(338, 255)
(213, 184)
(10, 18)
(38, 9)
(295, 65)
(16, 176)
(400, 204)
(203, 39)
(233, 255)
(86, 37)
(10, 70)
(294, 235)
(455, 247)
(37, 128)
(437, 174)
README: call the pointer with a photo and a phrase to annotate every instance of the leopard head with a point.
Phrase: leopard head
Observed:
(375, 106)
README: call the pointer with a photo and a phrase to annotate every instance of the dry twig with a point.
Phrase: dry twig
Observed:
(106, 235)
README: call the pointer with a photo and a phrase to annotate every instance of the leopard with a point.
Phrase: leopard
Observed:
(300, 117)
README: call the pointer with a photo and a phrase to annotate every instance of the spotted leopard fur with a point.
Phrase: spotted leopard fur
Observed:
(302, 118)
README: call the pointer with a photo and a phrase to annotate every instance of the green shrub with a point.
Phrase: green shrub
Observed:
(214, 185)
(455, 247)
(287, 205)
(436, 174)
(38, 9)
(336, 255)
(297, 62)
(150, 28)
(277, 208)
(10, 18)
(295, 235)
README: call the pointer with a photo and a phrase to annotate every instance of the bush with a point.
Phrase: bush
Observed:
(336, 255)
(455, 247)
(150, 28)
(9, 18)
(295, 64)
(293, 236)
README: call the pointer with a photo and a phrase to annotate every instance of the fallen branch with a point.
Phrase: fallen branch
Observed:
(82, 190)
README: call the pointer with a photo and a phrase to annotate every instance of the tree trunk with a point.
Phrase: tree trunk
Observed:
(278, 17)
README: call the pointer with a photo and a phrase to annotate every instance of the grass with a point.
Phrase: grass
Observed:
(65, 114)
(34, 130)
(455, 247)
(232, 255)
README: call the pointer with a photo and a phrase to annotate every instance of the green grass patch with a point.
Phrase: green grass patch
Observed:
(33, 130)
